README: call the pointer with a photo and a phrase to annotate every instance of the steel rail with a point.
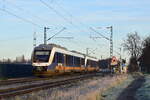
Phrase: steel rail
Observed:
(34, 79)
(31, 79)
(22, 80)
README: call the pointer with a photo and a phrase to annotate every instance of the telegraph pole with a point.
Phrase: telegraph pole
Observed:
(121, 66)
(45, 35)
(120, 53)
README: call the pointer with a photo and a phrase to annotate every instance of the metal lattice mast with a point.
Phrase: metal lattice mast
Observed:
(111, 41)
(34, 39)
(45, 35)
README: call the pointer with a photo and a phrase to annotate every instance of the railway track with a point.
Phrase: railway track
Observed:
(35, 87)
(30, 79)
(20, 80)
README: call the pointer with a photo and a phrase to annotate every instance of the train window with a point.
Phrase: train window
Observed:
(58, 58)
(82, 61)
(94, 63)
(91, 63)
(88, 63)
(77, 61)
(69, 60)
(41, 56)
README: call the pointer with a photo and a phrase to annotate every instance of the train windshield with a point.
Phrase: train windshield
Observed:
(41, 56)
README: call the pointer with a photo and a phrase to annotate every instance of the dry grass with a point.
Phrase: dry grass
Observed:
(84, 90)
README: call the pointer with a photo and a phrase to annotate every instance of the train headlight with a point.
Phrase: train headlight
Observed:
(39, 68)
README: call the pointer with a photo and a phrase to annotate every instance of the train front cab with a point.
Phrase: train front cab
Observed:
(41, 61)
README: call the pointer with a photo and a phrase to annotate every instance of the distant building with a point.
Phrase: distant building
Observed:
(20, 59)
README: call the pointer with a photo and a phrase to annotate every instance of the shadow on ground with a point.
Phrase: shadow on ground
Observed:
(130, 91)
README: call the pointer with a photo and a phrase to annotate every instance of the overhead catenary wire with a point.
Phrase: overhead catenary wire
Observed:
(99, 34)
(16, 38)
(50, 7)
(21, 18)
(102, 36)
(78, 45)
(56, 33)
(72, 17)
(31, 22)
(55, 12)
(27, 11)
(68, 13)
(60, 15)
(64, 10)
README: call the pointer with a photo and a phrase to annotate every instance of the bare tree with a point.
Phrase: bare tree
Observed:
(145, 57)
(146, 42)
(133, 45)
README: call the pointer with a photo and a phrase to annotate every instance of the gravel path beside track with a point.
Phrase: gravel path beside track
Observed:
(130, 92)
(143, 93)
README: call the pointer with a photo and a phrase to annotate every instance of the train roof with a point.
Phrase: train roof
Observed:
(48, 46)
(64, 50)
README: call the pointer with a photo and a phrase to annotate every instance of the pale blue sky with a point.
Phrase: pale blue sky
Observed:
(16, 36)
